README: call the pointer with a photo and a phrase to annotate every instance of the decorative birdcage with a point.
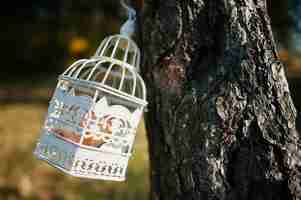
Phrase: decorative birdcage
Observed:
(90, 127)
(92, 118)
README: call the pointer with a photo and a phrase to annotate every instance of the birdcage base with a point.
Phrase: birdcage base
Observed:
(79, 161)
(78, 174)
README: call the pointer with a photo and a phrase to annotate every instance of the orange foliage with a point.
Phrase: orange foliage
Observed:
(78, 45)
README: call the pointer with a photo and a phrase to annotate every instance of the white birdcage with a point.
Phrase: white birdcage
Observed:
(90, 127)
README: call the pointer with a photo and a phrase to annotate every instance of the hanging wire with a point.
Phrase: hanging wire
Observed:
(128, 28)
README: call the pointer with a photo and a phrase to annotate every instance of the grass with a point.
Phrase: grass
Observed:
(22, 177)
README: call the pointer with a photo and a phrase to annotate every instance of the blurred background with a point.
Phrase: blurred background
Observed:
(39, 39)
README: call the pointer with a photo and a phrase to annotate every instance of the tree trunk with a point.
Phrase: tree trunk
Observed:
(221, 122)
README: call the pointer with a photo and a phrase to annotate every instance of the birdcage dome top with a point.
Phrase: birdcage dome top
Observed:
(114, 68)
(120, 47)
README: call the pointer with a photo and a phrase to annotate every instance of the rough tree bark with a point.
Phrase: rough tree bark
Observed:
(221, 122)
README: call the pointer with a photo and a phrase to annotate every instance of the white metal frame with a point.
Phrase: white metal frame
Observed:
(114, 51)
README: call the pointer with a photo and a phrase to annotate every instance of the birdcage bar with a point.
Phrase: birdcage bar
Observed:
(134, 58)
(137, 60)
(126, 51)
(115, 48)
(70, 69)
(96, 67)
(77, 71)
(122, 80)
(123, 69)
(109, 90)
(101, 70)
(134, 85)
(108, 71)
(103, 47)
